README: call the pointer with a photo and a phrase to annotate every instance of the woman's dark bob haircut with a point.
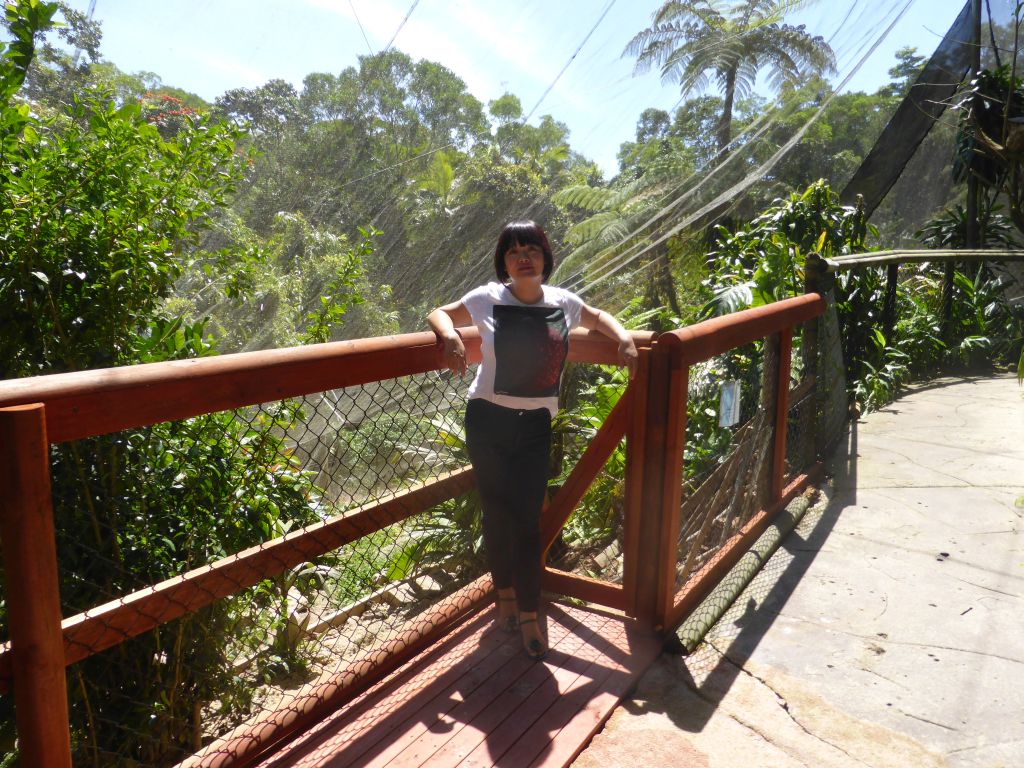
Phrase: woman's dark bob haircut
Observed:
(522, 233)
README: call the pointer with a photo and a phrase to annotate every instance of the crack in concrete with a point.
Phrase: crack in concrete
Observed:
(785, 707)
(767, 738)
(905, 643)
(883, 677)
(989, 589)
(926, 720)
(953, 447)
(990, 745)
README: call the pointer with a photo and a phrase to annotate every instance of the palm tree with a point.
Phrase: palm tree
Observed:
(697, 42)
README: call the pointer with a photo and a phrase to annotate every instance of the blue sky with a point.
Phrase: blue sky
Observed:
(209, 46)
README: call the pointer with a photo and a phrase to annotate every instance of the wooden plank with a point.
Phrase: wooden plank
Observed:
(595, 347)
(883, 258)
(584, 588)
(250, 741)
(371, 724)
(444, 707)
(634, 482)
(538, 740)
(32, 589)
(671, 490)
(594, 710)
(571, 664)
(571, 740)
(97, 402)
(498, 725)
(416, 752)
(646, 565)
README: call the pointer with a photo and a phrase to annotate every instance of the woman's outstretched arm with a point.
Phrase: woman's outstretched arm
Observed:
(598, 320)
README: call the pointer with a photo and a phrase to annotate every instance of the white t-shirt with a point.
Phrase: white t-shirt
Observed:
(524, 345)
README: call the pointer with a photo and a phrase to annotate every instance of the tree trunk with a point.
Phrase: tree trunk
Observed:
(724, 129)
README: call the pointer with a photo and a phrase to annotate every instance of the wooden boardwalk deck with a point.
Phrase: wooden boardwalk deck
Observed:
(475, 699)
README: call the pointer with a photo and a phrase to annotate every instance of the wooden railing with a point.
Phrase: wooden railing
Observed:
(651, 415)
(818, 269)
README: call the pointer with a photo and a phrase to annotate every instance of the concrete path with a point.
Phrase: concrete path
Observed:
(886, 631)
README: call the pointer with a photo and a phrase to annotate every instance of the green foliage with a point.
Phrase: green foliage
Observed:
(98, 211)
(24, 20)
(299, 285)
(949, 228)
(762, 262)
(94, 217)
(451, 535)
(600, 512)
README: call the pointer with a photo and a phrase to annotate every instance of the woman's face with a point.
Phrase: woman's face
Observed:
(525, 263)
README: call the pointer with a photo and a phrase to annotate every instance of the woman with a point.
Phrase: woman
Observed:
(524, 329)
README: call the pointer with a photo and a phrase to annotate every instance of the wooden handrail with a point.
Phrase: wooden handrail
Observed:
(919, 255)
(88, 403)
(720, 334)
(32, 591)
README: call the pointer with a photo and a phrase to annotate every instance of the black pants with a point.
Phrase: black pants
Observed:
(510, 450)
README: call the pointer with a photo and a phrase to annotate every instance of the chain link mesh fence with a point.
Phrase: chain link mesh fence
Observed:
(135, 508)
(591, 542)
(725, 467)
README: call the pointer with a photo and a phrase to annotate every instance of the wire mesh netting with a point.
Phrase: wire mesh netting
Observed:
(726, 468)
(591, 542)
(139, 507)
(154, 503)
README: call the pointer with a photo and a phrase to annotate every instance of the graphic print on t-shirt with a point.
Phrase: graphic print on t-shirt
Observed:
(530, 345)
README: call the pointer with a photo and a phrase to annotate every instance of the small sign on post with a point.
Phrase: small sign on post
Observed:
(729, 403)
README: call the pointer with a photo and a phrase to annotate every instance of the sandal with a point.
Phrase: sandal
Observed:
(535, 648)
(508, 623)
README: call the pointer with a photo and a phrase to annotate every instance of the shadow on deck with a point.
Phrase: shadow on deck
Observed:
(476, 699)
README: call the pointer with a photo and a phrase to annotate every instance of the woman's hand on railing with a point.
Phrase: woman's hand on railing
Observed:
(455, 353)
(628, 355)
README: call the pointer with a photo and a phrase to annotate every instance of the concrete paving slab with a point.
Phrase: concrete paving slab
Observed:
(887, 630)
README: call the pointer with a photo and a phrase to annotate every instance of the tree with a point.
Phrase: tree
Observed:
(903, 73)
(98, 213)
(697, 42)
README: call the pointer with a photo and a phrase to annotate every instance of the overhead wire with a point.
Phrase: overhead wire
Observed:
(570, 61)
(400, 25)
(638, 248)
(702, 172)
(483, 259)
(360, 25)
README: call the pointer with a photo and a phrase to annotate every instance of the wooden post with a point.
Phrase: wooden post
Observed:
(636, 441)
(889, 310)
(815, 281)
(33, 592)
(947, 301)
(657, 526)
(781, 413)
